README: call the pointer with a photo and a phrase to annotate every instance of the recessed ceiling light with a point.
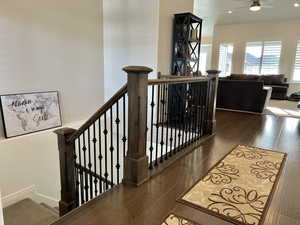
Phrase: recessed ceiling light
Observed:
(297, 5)
(229, 12)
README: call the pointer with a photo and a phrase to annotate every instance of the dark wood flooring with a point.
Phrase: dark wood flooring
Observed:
(150, 203)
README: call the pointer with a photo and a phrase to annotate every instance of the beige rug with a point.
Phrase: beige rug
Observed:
(239, 187)
(282, 108)
(177, 220)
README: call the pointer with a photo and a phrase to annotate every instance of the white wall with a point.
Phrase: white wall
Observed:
(130, 38)
(1, 212)
(48, 45)
(166, 14)
(286, 31)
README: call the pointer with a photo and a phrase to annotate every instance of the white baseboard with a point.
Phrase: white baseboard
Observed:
(18, 196)
(40, 198)
(29, 192)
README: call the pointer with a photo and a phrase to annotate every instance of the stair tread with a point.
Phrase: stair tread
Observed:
(55, 211)
(28, 212)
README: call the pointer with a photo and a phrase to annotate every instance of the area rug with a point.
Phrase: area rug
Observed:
(177, 220)
(239, 187)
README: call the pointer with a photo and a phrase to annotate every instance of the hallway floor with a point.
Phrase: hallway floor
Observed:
(150, 203)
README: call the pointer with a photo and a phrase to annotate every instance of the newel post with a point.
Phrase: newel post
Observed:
(67, 170)
(213, 91)
(136, 169)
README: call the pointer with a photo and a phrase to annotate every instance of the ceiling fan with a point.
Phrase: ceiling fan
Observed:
(256, 5)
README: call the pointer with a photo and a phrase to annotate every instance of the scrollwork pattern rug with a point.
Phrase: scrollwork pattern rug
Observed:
(177, 220)
(239, 187)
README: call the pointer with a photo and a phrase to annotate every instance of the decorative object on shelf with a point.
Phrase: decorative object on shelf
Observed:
(186, 44)
(30, 112)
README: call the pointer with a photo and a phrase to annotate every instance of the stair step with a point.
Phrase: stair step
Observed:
(54, 210)
(28, 212)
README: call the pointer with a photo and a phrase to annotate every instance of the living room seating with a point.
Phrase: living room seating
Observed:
(243, 95)
(277, 82)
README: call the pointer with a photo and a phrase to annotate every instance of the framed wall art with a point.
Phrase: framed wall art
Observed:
(30, 112)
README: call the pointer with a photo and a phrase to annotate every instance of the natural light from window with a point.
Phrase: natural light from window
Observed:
(262, 57)
(296, 76)
(225, 59)
(205, 57)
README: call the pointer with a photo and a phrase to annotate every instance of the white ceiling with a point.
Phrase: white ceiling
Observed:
(216, 12)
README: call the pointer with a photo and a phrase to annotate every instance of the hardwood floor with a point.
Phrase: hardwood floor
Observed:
(151, 202)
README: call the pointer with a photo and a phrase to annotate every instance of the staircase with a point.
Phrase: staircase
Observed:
(28, 212)
(145, 127)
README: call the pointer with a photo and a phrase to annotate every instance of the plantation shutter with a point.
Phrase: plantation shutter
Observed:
(253, 56)
(296, 76)
(225, 59)
(271, 57)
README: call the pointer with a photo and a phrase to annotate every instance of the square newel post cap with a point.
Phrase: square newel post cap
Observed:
(65, 131)
(137, 69)
(213, 72)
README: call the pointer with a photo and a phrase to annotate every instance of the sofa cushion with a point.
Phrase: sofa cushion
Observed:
(243, 77)
(272, 79)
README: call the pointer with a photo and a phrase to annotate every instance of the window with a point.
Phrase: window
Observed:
(205, 57)
(262, 57)
(225, 59)
(296, 76)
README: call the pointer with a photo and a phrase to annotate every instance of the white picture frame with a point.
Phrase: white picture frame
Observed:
(27, 113)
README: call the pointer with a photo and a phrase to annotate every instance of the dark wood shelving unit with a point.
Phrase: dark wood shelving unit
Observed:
(187, 33)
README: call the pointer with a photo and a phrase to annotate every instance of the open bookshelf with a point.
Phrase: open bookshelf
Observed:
(186, 44)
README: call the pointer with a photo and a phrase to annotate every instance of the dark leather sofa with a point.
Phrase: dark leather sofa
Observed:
(277, 82)
(243, 95)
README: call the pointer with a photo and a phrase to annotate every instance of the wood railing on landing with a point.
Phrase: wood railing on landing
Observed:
(142, 126)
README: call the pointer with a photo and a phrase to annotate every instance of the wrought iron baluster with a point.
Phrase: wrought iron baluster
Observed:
(176, 119)
(81, 173)
(124, 139)
(206, 106)
(77, 183)
(95, 160)
(197, 106)
(185, 94)
(152, 104)
(201, 105)
(166, 114)
(157, 125)
(105, 132)
(100, 156)
(162, 124)
(90, 164)
(118, 145)
(111, 147)
(86, 186)
(170, 122)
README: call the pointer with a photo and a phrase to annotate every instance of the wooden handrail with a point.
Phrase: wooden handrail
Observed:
(99, 113)
(175, 80)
